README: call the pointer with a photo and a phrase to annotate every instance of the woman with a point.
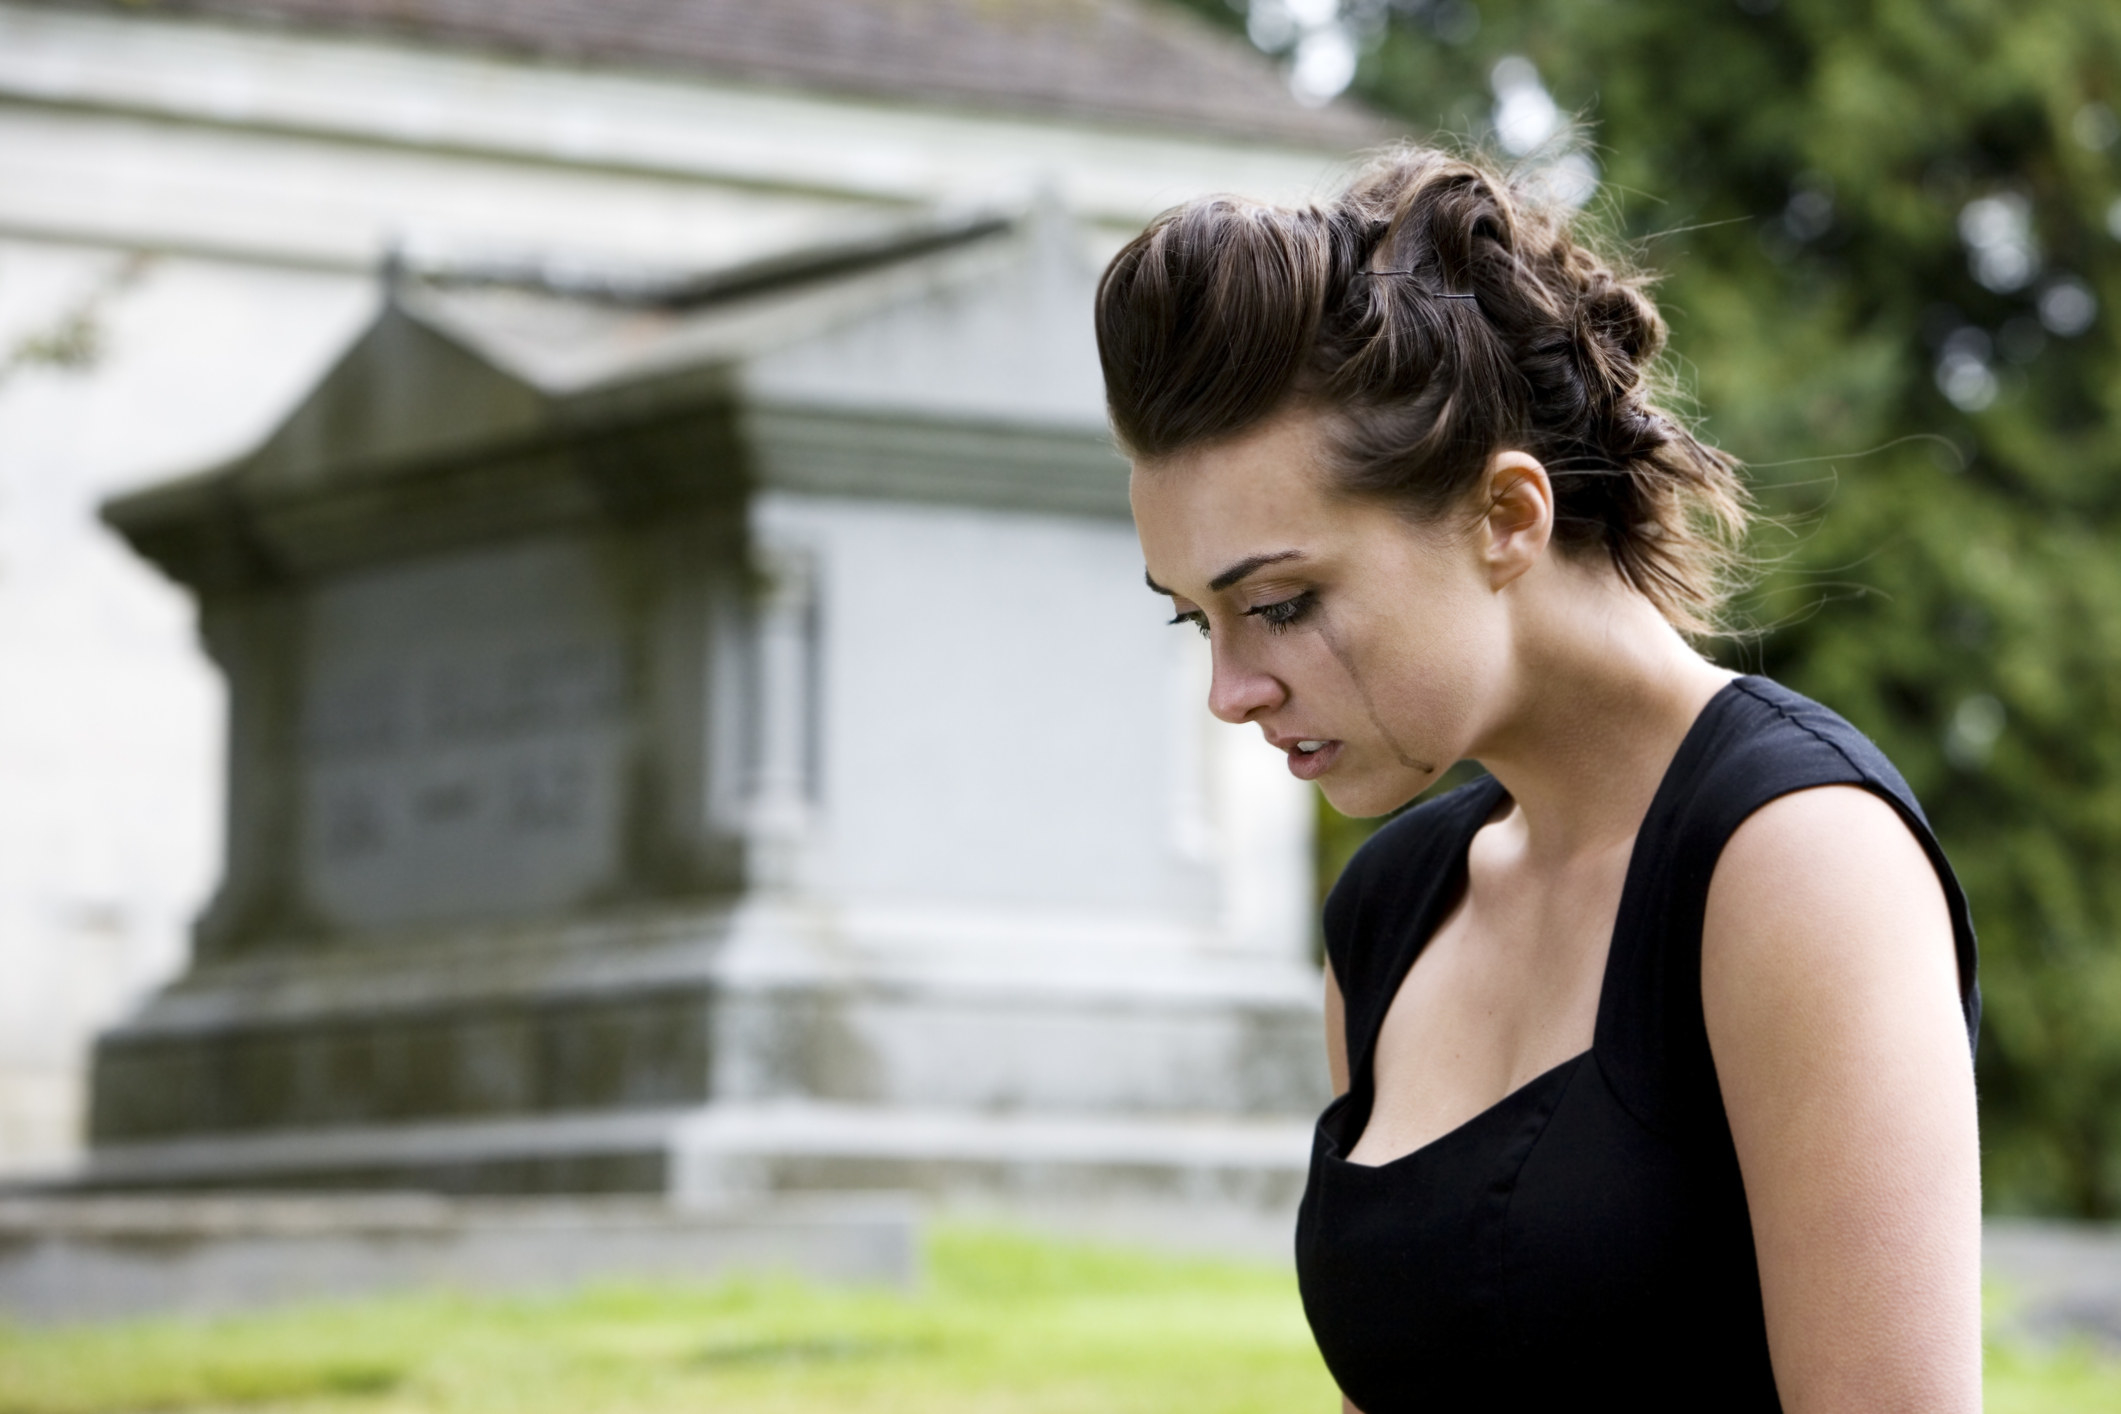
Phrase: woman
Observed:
(1653, 1046)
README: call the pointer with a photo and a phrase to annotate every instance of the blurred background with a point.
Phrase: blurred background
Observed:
(646, 615)
(598, 671)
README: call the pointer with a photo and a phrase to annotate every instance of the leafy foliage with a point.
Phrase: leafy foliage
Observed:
(1891, 232)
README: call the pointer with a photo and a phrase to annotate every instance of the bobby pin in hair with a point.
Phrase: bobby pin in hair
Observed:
(1433, 294)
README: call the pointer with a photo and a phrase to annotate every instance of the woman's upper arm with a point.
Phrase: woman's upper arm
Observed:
(1337, 1067)
(1336, 1032)
(1830, 985)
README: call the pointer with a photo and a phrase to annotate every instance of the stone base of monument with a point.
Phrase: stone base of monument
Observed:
(734, 1152)
(730, 1056)
(72, 1259)
(1246, 1164)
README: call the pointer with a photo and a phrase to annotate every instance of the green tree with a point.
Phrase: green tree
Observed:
(1891, 238)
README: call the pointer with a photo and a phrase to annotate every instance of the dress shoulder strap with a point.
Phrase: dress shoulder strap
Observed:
(1755, 742)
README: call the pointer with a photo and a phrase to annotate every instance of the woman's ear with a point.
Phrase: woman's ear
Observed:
(1519, 519)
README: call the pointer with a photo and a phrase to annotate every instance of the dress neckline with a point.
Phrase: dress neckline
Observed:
(1483, 798)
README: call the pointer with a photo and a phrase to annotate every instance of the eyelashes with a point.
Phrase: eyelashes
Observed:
(1284, 614)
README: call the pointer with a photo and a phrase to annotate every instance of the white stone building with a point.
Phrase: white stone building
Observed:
(196, 200)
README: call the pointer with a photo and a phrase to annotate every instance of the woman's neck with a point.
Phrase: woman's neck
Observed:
(1599, 695)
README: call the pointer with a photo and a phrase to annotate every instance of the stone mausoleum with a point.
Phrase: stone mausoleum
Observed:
(714, 737)
(692, 718)
(676, 637)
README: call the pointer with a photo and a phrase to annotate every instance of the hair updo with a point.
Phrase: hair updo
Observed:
(1434, 315)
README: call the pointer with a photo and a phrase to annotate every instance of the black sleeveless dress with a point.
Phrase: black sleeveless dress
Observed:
(1587, 1237)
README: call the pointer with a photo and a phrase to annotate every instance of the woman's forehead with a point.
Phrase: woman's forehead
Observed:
(1198, 528)
(1206, 527)
(1268, 476)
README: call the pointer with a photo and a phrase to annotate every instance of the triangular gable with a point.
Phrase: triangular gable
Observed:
(991, 327)
(402, 392)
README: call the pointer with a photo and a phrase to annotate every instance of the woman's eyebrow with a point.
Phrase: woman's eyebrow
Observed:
(1247, 565)
(1233, 574)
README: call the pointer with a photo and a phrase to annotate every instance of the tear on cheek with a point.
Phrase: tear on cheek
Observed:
(1341, 655)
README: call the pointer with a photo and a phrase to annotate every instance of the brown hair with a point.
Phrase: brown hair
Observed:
(1436, 315)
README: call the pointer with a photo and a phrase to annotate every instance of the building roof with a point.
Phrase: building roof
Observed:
(953, 364)
(1132, 61)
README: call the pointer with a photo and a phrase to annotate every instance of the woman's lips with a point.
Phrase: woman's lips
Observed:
(1310, 765)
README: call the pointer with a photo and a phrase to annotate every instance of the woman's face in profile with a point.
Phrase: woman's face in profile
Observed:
(1363, 643)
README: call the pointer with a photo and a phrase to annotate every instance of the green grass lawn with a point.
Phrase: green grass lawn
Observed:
(1001, 1323)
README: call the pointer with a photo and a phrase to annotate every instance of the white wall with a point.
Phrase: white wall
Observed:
(110, 719)
(1009, 722)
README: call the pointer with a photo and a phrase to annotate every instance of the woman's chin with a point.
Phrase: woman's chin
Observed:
(1364, 796)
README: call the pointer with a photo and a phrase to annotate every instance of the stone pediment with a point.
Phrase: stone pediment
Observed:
(404, 392)
(951, 357)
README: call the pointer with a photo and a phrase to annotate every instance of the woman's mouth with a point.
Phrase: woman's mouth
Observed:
(1311, 757)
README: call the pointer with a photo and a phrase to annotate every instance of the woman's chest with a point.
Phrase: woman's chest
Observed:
(1507, 988)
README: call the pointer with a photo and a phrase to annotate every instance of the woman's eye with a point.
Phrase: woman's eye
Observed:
(1286, 613)
(1194, 617)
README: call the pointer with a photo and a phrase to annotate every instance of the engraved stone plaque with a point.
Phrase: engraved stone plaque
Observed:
(463, 738)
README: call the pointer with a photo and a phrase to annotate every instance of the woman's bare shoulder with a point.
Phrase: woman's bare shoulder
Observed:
(1825, 834)
(1824, 902)
(1831, 992)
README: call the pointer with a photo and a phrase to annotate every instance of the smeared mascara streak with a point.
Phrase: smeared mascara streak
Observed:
(1369, 705)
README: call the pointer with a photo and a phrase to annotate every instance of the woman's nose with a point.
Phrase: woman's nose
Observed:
(1238, 692)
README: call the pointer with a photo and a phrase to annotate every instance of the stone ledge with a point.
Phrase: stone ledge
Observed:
(74, 1259)
(737, 1151)
(2058, 1281)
